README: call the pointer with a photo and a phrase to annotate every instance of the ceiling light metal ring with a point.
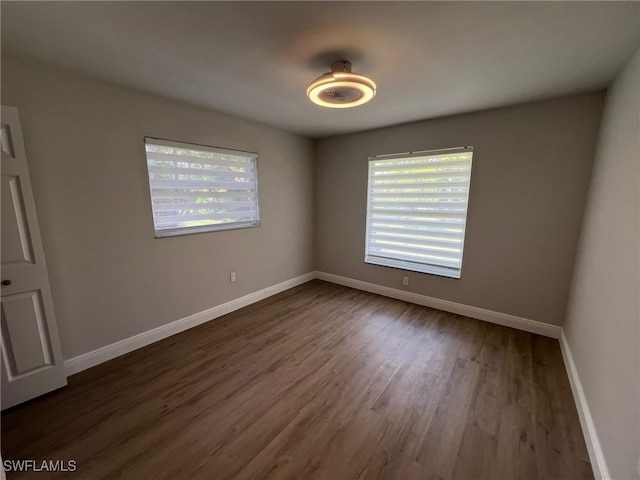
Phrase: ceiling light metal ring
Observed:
(341, 88)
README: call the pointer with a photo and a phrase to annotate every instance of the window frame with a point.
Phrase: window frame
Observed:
(179, 231)
(407, 265)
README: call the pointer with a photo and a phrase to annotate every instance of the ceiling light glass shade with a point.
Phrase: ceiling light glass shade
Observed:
(341, 88)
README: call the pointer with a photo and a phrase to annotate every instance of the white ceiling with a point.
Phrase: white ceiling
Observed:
(255, 59)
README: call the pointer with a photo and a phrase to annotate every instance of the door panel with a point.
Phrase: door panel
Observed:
(16, 242)
(32, 361)
(26, 346)
(5, 141)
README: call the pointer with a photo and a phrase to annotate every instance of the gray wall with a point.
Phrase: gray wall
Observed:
(603, 321)
(531, 169)
(110, 278)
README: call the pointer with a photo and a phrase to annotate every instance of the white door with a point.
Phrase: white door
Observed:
(31, 358)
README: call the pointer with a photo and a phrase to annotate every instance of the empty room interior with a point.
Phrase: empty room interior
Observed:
(320, 240)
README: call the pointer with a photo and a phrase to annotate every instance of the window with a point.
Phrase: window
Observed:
(417, 209)
(196, 188)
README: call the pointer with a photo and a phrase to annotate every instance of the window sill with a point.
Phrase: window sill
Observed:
(414, 267)
(204, 229)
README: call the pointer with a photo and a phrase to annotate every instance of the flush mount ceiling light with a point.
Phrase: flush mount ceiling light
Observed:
(341, 88)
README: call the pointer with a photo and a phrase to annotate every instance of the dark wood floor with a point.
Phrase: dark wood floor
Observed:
(319, 382)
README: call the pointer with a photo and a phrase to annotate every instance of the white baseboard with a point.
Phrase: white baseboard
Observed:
(108, 352)
(596, 456)
(504, 319)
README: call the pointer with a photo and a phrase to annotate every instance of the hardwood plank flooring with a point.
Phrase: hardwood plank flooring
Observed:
(318, 382)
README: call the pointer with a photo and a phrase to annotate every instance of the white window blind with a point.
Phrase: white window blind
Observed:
(197, 188)
(417, 210)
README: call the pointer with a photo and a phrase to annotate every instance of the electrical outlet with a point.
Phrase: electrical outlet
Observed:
(405, 280)
(233, 277)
